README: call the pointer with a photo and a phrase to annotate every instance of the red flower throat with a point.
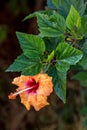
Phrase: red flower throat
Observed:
(33, 85)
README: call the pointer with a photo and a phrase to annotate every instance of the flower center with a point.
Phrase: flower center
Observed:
(32, 85)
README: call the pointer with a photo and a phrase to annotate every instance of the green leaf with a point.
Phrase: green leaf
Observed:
(51, 26)
(56, 2)
(82, 77)
(83, 29)
(68, 54)
(50, 43)
(83, 62)
(30, 16)
(50, 56)
(59, 80)
(19, 64)
(32, 45)
(50, 4)
(73, 19)
(33, 69)
(64, 6)
(84, 48)
(24, 65)
(35, 14)
(62, 66)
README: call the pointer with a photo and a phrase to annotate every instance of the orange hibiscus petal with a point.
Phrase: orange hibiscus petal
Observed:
(46, 85)
(38, 101)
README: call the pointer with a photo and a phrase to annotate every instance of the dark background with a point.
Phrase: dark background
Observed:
(13, 115)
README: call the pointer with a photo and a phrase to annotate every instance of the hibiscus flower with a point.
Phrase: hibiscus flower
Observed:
(33, 90)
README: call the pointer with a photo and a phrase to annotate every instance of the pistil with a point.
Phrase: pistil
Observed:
(13, 95)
